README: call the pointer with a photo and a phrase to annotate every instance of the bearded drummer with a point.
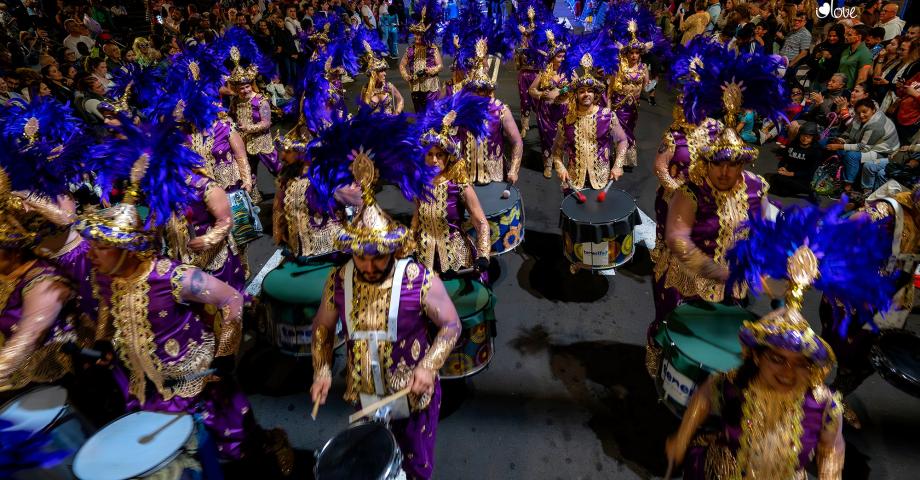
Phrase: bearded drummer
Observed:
(387, 304)
(585, 135)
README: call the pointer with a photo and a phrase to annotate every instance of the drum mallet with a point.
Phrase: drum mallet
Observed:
(370, 409)
(578, 195)
(315, 410)
(506, 193)
(603, 195)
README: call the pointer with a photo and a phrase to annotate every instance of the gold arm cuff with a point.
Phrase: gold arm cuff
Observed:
(667, 181)
(229, 341)
(321, 349)
(216, 235)
(830, 463)
(440, 349)
(695, 260)
(484, 239)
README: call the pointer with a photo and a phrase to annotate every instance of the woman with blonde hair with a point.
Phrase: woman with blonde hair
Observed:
(146, 54)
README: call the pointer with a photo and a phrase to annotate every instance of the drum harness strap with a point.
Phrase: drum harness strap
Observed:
(375, 337)
(899, 261)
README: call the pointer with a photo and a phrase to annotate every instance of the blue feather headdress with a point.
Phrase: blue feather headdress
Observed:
(168, 163)
(197, 63)
(185, 101)
(239, 53)
(549, 40)
(705, 67)
(316, 101)
(42, 146)
(134, 86)
(426, 18)
(365, 39)
(447, 119)
(598, 44)
(849, 256)
(633, 24)
(365, 149)
(22, 450)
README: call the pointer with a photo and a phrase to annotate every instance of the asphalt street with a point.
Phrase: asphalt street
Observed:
(566, 395)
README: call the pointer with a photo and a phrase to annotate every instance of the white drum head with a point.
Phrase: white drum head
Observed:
(116, 451)
(35, 410)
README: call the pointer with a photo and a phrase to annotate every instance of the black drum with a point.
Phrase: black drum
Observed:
(599, 235)
(896, 357)
(367, 451)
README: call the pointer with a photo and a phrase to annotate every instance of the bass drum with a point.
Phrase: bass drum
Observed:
(291, 295)
(45, 409)
(148, 445)
(596, 235)
(247, 226)
(366, 451)
(896, 357)
(696, 340)
(475, 304)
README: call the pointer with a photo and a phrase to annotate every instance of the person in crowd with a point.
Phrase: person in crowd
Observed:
(824, 60)
(868, 144)
(795, 44)
(797, 165)
(907, 110)
(53, 77)
(888, 19)
(856, 59)
(714, 9)
(695, 24)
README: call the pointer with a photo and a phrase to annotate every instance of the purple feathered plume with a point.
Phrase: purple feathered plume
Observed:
(394, 153)
(851, 253)
(163, 188)
(42, 146)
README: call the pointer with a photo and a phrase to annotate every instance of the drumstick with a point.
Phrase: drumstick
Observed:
(506, 193)
(578, 195)
(379, 403)
(603, 195)
(315, 410)
(667, 474)
(149, 437)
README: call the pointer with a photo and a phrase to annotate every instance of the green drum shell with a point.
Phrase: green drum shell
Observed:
(291, 295)
(475, 347)
(696, 340)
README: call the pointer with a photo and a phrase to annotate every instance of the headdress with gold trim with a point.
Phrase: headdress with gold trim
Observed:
(374, 63)
(428, 13)
(447, 121)
(366, 149)
(627, 19)
(587, 78)
(321, 35)
(479, 78)
(805, 246)
(155, 163)
(242, 58)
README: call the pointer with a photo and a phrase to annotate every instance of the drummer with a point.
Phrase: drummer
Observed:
(398, 343)
(706, 212)
(32, 295)
(149, 307)
(587, 162)
(306, 232)
(486, 156)
(442, 244)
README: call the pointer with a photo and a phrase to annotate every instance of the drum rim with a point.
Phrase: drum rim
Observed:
(672, 346)
(271, 334)
(478, 369)
(635, 207)
(520, 200)
(484, 308)
(879, 360)
(28, 390)
(395, 458)
(155, 468)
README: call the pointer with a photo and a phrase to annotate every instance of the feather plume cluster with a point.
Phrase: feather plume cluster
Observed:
(163, 187)
(851, 253)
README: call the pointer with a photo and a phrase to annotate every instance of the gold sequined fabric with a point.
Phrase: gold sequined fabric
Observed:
(177, 238)
(135, 343)
(370, 305)
(435, 238)
(420, 62)
(302, 237)
(587, 168)
(771, 433)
